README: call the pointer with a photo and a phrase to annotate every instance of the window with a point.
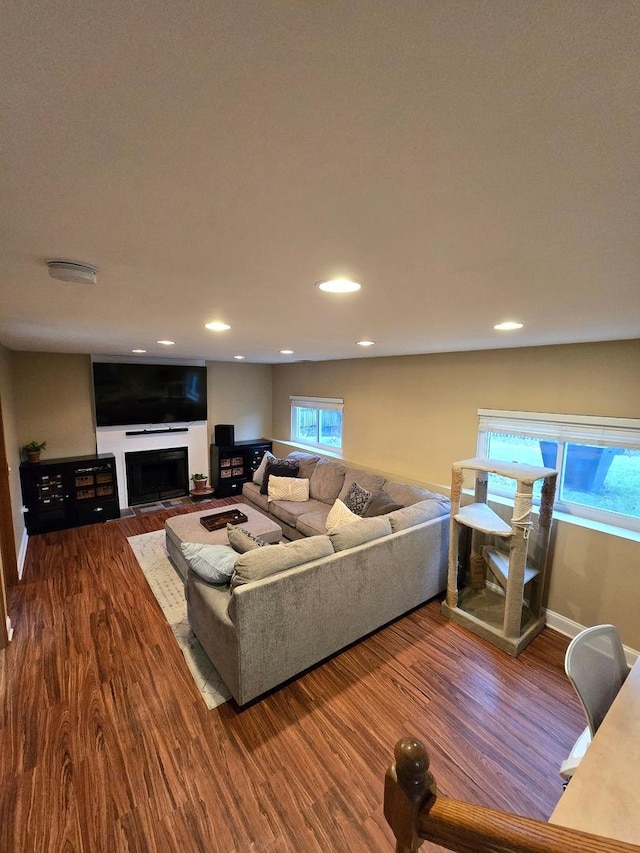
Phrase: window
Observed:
(597, 459)
(317, 421)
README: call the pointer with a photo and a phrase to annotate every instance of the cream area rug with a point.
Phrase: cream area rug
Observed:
(167, 586)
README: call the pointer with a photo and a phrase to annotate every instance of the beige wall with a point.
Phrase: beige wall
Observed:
(53, 400)
(48, 396)
(413, 416)
(12, 444)
(240, 394)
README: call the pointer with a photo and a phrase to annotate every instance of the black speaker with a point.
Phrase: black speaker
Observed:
(224, 435)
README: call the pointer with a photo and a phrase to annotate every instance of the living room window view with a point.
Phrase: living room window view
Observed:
(317, 421)
(598, 460)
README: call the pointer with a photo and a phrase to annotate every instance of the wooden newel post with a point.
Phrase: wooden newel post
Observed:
(407, 785)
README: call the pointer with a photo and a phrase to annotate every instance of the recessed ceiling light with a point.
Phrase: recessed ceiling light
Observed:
(365, 343)
(339, 285)
(138, 350)
(286, 352)
(509, 326)
(239, 357)
(217, 326)
(166, 343)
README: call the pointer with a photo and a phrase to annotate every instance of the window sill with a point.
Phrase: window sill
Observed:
(311, 448)
(566, 518)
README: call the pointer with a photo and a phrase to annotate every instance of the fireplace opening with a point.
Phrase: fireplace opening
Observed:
(154, 475)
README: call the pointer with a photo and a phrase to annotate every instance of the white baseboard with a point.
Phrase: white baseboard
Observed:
(22, 554)
(569, 628)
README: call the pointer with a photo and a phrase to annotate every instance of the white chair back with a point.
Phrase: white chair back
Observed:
(596, 666)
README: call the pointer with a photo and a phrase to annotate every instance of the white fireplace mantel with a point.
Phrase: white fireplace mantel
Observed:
(131, 438)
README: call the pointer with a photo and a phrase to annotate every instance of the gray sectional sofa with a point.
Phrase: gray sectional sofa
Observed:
(291, 605)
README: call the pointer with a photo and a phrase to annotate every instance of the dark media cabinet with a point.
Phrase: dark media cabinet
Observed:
(70, 492)
(232, 465)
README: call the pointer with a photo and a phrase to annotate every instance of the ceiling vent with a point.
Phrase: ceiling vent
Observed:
(72, 271)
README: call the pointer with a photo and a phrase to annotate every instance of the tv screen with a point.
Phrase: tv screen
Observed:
(148, 393)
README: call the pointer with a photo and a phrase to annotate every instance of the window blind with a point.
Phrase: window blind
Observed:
(581, 429)
(328, 404)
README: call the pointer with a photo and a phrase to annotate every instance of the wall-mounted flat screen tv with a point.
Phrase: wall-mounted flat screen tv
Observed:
(148, 393)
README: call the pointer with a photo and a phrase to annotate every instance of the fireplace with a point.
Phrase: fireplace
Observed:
(154, 475)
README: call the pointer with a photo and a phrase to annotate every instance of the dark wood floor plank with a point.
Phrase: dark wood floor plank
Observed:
(108, 746)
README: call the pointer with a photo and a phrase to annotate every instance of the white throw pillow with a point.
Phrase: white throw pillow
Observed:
(340, 514)
(258, 474)
(288, 489)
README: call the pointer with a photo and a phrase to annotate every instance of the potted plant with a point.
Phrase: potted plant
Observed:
(199, 482)
(33, 450)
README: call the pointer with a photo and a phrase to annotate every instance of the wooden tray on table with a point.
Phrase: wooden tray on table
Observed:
(221, 519)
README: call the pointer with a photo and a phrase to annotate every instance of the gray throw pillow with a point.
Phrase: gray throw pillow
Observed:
(213, 563)
(279, 468)
(357, 499)
(242, 540)
(380, 504)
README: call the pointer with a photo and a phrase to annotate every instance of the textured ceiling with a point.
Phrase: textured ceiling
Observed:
(468, 162)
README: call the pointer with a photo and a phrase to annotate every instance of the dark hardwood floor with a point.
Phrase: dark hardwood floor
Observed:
(107, 746)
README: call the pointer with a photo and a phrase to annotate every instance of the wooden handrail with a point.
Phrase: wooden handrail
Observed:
(416, 813)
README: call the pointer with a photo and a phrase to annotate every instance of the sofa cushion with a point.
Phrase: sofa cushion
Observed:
(242, 540)
(258, 474)
(352, 535)
(340, 514)
(357, 499)
(290, 511)
(409, 516)
(264, 562)
(313, 521)
(371, 482)
(279, 468)
(252, 492)
(406, 494)
(326, 481)
(288, 489)
(306, 462)
(380, 504)
(213, 563)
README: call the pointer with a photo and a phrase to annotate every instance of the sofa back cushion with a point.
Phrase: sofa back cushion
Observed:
(406, 494)
(306, 462)
(327, 480)
(359, 532)
(264, 562)
(365, 479)
(409, 516)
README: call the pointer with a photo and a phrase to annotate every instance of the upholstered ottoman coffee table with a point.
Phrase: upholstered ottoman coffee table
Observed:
(187, 528)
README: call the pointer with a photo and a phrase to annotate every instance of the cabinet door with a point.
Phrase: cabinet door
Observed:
(45, 492)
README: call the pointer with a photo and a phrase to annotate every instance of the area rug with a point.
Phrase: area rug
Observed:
(166, 584)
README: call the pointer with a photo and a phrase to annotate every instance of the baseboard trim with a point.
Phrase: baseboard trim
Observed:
(22, 554)
(569, 628)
